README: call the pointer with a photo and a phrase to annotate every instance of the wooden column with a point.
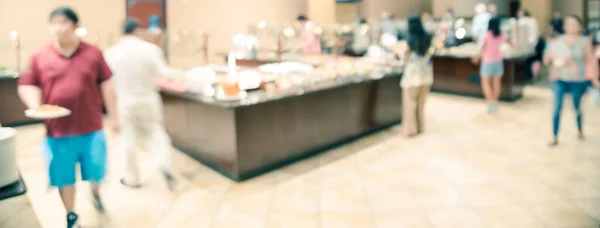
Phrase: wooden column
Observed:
(321, 12)
(541, 10)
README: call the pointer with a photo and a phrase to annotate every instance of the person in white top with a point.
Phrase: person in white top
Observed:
(480, 22)
(136, 63)
(528, 32)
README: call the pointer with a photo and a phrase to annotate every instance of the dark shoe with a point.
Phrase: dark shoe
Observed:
(131, 185)
(553, 143)
(97, 201)
(171, 182)
(72, 220)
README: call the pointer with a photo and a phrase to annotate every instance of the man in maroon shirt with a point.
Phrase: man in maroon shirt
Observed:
(72, 74)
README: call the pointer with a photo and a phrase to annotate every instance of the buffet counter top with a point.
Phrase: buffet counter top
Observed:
(446, 53)
(261, 96)
(8, 75)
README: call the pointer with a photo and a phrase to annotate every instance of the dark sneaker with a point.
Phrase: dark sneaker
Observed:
(129, 184)
(171, 182)
(72, 220)
(97, 201)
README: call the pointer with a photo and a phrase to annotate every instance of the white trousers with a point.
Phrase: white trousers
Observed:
(142, 127)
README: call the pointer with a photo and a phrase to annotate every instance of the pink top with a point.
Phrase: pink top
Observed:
(310, 41)
(491, 47)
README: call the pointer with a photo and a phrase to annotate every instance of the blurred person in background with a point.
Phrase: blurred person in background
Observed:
(447, 24)
(528, 29)
(309, 40)
(492, 9)
(557, 24)
(417, 78)
(388, 26)
(71, 73)
(492, 64)
(136, 63)
(361, 39)
(568, 56)
(428, 22)
(480, 23)
(528, 38)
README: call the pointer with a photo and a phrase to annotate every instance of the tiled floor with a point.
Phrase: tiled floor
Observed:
(468, 170)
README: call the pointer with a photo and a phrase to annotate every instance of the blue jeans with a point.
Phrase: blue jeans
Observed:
(577, 90)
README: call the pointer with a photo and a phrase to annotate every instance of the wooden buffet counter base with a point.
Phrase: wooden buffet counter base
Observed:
(262, 132)
(12, 110)
(456, 74)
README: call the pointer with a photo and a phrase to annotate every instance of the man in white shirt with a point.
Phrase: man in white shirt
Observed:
(136, 63)
(480, 22)
(388, 26)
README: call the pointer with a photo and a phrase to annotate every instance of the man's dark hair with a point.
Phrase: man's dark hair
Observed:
(130, 25)
(67, 12)
(418, 39)
(494, 26)
(302, 17)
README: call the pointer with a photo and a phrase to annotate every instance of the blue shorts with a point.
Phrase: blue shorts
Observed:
(64, 153)
(493, 69)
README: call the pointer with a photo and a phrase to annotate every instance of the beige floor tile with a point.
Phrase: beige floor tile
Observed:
(239, 220)
(591, 206)
(401, 218)
(560, 214)
(389, 196)
(507, 216)
(301, 197)
(492, 163)
(357, 219)
(12, 206)
(344, 201)
(248, 203)
(529, 191)
(574, 188)
(455, 217)
(484, 194)
(286, 219)
(436, 196)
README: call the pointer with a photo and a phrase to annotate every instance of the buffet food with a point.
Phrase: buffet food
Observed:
(47, 112)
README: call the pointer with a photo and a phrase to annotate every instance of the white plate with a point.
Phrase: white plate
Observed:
(44, 115)
(222, 97)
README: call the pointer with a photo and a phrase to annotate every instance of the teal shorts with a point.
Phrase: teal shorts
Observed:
(63, 154)
(492, 69)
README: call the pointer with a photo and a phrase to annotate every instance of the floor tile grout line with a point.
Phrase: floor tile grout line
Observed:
(365, 193)
(219, 205)
(272, 200)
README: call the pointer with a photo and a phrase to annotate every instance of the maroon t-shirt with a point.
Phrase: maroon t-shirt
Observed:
(72, 83)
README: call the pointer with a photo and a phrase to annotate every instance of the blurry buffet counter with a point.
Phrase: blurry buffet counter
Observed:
(12, 110)
(455, 73)
(266, 130)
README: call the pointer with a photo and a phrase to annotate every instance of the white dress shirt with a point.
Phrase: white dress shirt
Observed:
(480, 26)
(135, 64)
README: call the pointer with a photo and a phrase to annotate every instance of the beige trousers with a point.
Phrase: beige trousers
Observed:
(413, 108)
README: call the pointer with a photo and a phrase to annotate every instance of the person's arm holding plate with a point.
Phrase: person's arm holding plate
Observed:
(29, 89)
